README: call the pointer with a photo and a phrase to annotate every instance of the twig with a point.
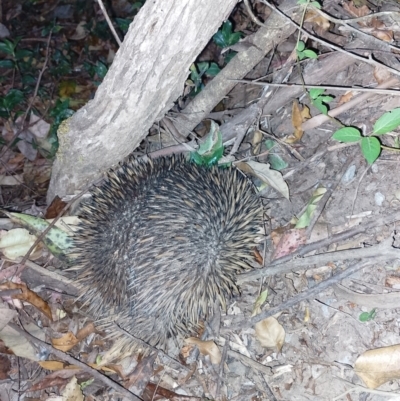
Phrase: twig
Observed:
(347, 22)
(282, 265)
(395, 92)
(68, 358)
(110, 25)
(310, 293)
(368, 60)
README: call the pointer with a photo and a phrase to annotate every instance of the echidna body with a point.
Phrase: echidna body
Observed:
(162, 240)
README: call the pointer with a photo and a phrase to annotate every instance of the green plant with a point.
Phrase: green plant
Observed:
(16, 54)
(225, 37)
(303, 53)
(9, 102)
(370, 144)
(309, 3)
(318, 99)
(367, 316)
(197, 71)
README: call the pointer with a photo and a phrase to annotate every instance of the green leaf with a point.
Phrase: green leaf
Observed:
(13, 98)
(310, 54)
(316, 92)
(300, 46)
(275, 160)
(367, 316)
(320, 106)
(202, 67)
(315, 4)
(7, 64)
(213, 70)
(225, 37)
(388, 122)
(370, 148)
(22, 53)
(326, 98)
(305, 218)
(347, 135)
(7, 47)
(123, 24)
(101, 69)
(211, 149)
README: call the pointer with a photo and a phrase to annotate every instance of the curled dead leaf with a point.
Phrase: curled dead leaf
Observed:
(206, 348)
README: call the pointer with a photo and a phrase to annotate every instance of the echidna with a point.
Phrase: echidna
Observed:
(162, 240)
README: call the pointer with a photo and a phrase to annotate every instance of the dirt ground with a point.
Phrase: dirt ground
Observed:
(324, 333)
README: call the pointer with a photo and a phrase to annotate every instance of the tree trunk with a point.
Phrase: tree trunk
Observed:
(146, 77)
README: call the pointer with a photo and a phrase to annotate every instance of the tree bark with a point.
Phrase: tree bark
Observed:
(146, 77)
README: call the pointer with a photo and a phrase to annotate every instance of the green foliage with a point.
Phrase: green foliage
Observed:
(197, 71)
(367, 316)
(8, 103)
(16, 54)
(309, 3)
(225, 37)
(388, 122)
(211, 149)
(276, 162)
(123, 24)
(318, 99)
(303, 53)
(59, 113)
(100, 69)
(370, 145)
(61, 64)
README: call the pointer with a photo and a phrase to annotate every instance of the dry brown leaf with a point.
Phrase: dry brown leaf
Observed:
(270, 333)
(299, 115)
(346, 97)
(315, 18)
(381, 74)
(206, 348)
(356, 11)
(377, 366)
(28, 296)
(66, 342)
(257, 141)
(383, 34)
(52, 365)
(85, 331)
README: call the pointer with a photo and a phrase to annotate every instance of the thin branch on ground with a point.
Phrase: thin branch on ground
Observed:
(65, 357)
(110, 24)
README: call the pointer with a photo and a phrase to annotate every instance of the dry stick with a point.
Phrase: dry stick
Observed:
(257, 82)
(347, 22)
(110, 25)
(32, 99)
(294, 261)
(368, 60)
(68, 358)
(312, 292)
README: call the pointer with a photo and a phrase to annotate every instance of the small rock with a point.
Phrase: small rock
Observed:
(379, 198)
